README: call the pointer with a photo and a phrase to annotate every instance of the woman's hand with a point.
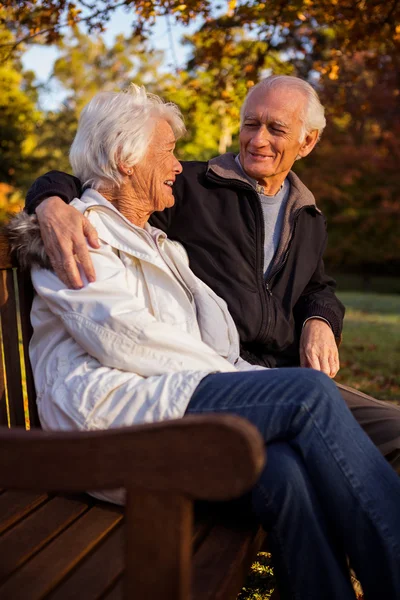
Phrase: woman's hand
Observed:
(65, 232)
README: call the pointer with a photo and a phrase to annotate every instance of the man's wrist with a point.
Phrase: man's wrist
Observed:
(46, 203)
(318, 319)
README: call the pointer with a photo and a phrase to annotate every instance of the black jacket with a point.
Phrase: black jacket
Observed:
(217, 216)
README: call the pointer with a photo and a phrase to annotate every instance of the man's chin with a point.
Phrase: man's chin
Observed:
(257, 173)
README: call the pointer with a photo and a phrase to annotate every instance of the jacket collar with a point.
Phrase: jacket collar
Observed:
(118, 230)
(225, 168)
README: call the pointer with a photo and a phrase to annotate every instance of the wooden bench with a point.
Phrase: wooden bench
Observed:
(59, 545)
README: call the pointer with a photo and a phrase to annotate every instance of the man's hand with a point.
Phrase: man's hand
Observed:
(318, 349)
(64, 231)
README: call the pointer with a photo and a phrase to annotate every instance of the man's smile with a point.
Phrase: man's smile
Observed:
(259, 156)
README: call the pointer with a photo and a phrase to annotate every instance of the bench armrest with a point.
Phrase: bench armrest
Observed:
(212, 457)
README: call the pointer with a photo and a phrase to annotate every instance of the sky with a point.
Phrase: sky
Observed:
(40, 59)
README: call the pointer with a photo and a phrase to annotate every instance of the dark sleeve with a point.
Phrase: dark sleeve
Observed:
(319, 300)
(54, 183)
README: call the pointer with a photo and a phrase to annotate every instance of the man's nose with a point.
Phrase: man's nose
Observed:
(261, 136)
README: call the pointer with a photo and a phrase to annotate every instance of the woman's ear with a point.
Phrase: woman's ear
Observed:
(122, 168)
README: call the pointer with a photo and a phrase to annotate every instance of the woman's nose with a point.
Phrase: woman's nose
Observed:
(177, 167)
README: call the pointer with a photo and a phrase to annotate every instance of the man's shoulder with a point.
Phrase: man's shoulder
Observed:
(193, 174)
(193, 166)
(300, 195)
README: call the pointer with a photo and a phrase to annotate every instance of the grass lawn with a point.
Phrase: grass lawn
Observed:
(370, 350)
(370, 362)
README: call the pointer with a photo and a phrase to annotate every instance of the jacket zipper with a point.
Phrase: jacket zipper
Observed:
(264, 290)
(268, 282)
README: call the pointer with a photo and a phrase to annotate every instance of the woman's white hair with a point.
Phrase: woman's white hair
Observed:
(115, 128)
(313, 117)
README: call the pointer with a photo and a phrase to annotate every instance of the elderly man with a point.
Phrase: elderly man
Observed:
(254, 234)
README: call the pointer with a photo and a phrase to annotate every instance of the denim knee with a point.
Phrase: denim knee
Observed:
(282, 486)
(316, 382)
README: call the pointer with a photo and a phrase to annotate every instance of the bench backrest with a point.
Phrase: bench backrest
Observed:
(17, 389)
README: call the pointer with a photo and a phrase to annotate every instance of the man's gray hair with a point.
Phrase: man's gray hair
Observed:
(313, 117)
(114, 128)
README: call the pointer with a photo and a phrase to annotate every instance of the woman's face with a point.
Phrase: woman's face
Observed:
(154, 176)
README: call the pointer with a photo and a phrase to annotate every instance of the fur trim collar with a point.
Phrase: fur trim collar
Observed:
(26, 241)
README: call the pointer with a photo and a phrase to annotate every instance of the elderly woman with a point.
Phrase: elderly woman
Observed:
(149, 341)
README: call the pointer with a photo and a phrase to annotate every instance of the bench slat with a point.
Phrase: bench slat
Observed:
(116, 593)
(5, 258)
(26, 293)
(168, 519)
(26, 538)
(39, 576)
(16, 505)
(224, 559)
(66, 547)
(3, 400)
(8, 312)
(98, 573)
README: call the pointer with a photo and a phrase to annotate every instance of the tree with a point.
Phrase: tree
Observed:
(85, 67)
(224, 63)
(18, 120)
(354, 170)
(46, 21)
(361, 24)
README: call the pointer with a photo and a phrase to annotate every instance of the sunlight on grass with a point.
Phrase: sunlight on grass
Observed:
(370, 351)
(260, 582)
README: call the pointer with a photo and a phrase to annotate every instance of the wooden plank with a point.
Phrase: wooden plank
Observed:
(160, 456)
(116, 593)
(26, 538)
(223, 560)
(5, 263)
(25, 294)
(16, 505)
(98, 573)
(44, 572)
(5, 258)
(3, 399)
(205, 515)
(159, 532)
(201, 531)
(8, 307)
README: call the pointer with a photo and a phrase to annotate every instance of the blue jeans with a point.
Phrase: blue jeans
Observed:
(326, 492)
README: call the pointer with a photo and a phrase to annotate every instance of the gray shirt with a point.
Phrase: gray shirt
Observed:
(273, 208)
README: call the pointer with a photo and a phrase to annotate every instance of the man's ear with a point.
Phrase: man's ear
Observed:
(308, 144)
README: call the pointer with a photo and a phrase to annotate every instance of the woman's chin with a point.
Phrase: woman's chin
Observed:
(168, 201)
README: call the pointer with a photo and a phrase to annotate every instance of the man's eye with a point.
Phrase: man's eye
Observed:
(277, 130)
(251, 124)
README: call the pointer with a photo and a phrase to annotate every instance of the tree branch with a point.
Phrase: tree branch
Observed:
(58, 26)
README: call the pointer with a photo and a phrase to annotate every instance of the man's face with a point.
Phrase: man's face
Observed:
(270, 134)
